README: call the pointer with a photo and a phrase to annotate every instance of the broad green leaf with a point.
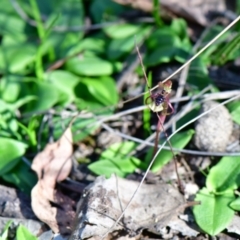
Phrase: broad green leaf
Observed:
(89, 66)
(81, 128)
(47, 95)
(92, 91)
(10, 88)
(179, 27)
(118, 150)
(16, 58)
(120, 166)
(23, 233)
(65, 82)
(129, 164)
(225, 175)
(11, 25)
(117, 160)
(11, 150)
(180, 140)
(235, 205)
(213, 215)
(106, 168)
(163, 38)
(106, 10)
(122, 30)
(94, 44)
(121, 46)
(165, 54)
(22, 177)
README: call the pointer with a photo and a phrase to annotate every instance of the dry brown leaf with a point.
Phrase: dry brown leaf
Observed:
(152, 208)
(54, 162)
(51, 165)
(59, 219)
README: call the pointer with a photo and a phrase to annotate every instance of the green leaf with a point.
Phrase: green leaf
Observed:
(118, 150)
(23, 233)
(179, 140)
(81, 128)
(16, 58)
(106, 10)
(165, 54)
(89, 66)
(10, 88)
(235, 205)
(106, 167)
(11, 150)
(235, 111)
(225, 175)
(95, 44)
(21, 176)
(47, 95)
(214, 213)
(93, 91)
(115, 160)
(11, 25)
(4, 235)
(163, 38)
(179, 27)
(65, 82)
(121, 31)
(122, 46)
(120, 166)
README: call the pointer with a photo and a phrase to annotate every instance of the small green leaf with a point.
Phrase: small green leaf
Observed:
(94, 44)
(180, 140)
(165, 54)
(15, 58)
(10, 88)
(119, 150)
(106, 10)
(4, 235)
(11, 150)
(81, 127)
(23, 233)
(235, 111)
(214, 213)
(89, 66)
(22, 177)
(65, 82)
(179, 27)
(117, 161)
(120, 47)
(225, 175)
(122, 31)
(106, 167)
(120, 166)
(94, 91)
(163, 38)
(47, 95)
(235, 205)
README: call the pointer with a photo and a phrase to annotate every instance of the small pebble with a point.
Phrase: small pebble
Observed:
(213, 131)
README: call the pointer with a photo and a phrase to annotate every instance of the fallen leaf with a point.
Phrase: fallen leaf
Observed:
(53, 164)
